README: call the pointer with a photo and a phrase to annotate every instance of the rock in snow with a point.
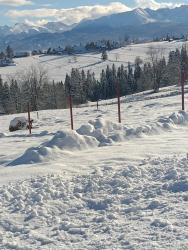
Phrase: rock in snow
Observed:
(18, 123)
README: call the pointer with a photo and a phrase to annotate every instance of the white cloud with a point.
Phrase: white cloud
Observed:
(71, 15)
(152, 4)
(15, 2)
(74, 15)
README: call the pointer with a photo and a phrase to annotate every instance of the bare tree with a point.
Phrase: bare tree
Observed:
(30, 80)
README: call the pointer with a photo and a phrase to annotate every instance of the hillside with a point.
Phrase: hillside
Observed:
(58, 66)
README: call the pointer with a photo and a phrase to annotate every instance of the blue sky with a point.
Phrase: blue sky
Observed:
(41, 11)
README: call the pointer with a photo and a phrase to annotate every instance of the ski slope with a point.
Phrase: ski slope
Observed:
(58, 66)
(103, 186)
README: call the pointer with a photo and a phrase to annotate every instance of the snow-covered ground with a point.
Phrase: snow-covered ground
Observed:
(58, 66)
(102, 186)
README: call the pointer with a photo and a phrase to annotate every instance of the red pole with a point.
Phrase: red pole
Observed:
(119, 103)
(29, 118)
(183, 89)
(71, 111)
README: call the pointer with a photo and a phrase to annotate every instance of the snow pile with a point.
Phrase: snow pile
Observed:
(71, 140)
(104, 131)
(62, 140)
(96, 133)
(107, 132)
(102, 210)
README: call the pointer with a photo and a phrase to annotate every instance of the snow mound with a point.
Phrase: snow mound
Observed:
(33, 155)
(108, 202)
(71, 140)
(97, 133)
(107, 132)
(62, 140)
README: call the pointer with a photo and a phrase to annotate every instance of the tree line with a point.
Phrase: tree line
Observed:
(34, 87)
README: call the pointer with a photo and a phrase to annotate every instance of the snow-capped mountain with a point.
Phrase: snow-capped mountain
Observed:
(53, 27)
(137, 23)
(26, 28)
(139, 17)
(135, 17)
(19, 28)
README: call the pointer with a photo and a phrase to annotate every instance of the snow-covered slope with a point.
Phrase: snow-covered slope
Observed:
(103, 186)
(58, 66)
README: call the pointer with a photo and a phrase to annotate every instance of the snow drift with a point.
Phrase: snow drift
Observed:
(97, 133)
(62, 140)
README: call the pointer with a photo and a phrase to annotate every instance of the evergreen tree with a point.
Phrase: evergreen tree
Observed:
(9, 52)
(15, 96)
(104, 55)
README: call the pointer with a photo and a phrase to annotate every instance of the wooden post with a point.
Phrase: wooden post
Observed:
(71, 111)
(119, 102)
(97, 104)
(183, 89)
(29, 118)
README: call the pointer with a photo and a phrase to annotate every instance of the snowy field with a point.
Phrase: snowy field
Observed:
(58, 66)
(105, 185)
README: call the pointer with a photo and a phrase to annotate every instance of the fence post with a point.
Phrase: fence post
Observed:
(29, 118)
(118, 99)
(183, 89)
(71, 111)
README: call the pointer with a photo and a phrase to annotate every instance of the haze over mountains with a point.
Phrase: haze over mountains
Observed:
(138, 23)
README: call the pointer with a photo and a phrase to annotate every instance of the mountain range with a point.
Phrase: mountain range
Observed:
(137, 23)
(24, 28)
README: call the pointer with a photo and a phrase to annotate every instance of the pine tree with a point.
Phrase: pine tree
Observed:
(61, 95)
(130, 80)
(104, 55)
(137, 73)
(6, 101)
(104, 86)
(9, 52)
(15, 96)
